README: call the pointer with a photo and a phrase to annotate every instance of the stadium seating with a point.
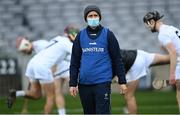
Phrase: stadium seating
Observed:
(44, 18)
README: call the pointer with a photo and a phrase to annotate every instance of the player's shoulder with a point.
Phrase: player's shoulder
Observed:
(40, 41)
(166, 30)
(63, 40)
(57, 37)
(60, 38)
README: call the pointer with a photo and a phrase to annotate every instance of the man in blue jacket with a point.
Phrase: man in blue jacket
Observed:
(95, 60)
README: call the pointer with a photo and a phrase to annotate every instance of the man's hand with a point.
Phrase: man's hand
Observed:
(172, 80)
(73, 91)
(123, 88)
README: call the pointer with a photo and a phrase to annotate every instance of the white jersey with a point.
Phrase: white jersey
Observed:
(57, 50)
(169, 34)
(39, 45)
(62, 67)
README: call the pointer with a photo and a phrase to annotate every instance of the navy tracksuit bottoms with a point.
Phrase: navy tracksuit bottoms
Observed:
(95, 99)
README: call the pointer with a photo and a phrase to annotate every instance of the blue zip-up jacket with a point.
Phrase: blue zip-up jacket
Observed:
(114, 54)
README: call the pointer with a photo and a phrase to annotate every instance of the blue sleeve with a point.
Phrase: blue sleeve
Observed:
(75, 62)
(117, 63)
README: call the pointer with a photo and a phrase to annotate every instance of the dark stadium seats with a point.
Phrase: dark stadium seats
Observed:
(42, 17)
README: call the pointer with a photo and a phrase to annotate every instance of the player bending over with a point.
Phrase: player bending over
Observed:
(40, 72)
(136, 63)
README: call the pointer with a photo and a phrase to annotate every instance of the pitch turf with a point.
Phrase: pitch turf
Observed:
(149, 102)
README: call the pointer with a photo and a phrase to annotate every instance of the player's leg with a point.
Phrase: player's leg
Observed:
(49, 94)
(45, 76)
(25, 105)
(33, 93)
(137, 70)
(59, 98)
(44, 73)
(35, 90)
(61, 77)
(178, 93)
(178, 82)
(130, 97)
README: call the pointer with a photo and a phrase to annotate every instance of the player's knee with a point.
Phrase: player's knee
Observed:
(50, 101)
(37, 95)
(178, 85)
(128, 96)
(57, 90)
(178, 94)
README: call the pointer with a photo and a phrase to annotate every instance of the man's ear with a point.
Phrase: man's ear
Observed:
(151, 21)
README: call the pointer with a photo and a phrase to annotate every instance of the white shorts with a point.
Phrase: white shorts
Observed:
(178, 69)
(139, 68)
(62, 70)
(36, 71)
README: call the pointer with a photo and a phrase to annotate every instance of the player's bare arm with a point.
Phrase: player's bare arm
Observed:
(160, 59)
(173, 60)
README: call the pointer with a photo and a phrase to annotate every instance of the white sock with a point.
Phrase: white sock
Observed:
(62, 111)
(20, 93)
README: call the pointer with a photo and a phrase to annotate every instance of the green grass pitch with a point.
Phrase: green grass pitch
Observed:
(149, 102)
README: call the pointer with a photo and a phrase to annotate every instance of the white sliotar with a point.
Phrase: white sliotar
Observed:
(159, 84)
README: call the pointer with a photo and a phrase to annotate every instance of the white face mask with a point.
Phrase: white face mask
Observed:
(93, 22)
